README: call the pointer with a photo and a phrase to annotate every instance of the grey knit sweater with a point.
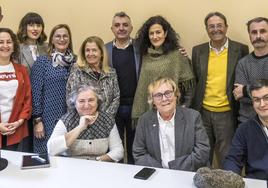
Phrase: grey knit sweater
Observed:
(249, 69)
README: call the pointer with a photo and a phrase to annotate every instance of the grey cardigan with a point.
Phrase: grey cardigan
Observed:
(191, 141)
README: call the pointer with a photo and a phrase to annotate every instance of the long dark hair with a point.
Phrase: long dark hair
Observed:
(31, 18)
(172, 39)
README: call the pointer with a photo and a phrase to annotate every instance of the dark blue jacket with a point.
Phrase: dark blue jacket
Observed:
(250, 149)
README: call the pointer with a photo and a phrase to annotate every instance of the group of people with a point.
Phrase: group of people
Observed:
(169, 111)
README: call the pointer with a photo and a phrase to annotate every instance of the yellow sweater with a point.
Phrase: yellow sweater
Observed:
(215, 98)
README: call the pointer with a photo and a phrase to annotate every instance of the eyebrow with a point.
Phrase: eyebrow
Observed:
(266, 95)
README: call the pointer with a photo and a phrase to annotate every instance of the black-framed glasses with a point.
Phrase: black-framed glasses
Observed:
(257, 100)
(159, 96)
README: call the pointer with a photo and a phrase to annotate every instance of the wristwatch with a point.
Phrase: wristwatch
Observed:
(37, 120)
(98, 159)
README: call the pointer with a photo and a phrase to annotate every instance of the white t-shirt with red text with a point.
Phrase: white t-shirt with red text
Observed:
(8, 89)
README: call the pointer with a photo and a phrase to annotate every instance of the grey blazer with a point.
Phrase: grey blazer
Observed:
(200, 56)
(191, 141)
(26, 56)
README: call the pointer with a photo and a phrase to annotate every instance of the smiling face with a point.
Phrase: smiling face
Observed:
(157, 35)
(93, 54)
(61, 40)
(86, 103)
(6, 45)
(216, 29)
(34, 31)
(260, 102)
(121, 28)
(258, 34)
(164, 99)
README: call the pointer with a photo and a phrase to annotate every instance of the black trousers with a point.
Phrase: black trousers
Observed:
(123, 121)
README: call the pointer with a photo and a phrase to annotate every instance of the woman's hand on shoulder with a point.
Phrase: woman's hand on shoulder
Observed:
(183, 52)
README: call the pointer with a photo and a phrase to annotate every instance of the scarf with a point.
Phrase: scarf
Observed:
(101, 128)
(62, 59)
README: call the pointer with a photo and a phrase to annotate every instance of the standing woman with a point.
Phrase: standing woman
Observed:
(159, 48)
(15, 94)
(49, 76)
(32, 39)
(92, 67)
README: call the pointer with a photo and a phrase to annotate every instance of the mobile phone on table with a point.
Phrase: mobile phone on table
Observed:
(144, 173)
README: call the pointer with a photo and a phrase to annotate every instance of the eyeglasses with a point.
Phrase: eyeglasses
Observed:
(59, 37)
(257, 100)
(216, 26)
(159, 96)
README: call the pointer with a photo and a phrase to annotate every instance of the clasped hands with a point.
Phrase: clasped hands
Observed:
(10, 128)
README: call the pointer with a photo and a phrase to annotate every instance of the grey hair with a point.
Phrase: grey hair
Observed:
(121, 15)
(71, 99)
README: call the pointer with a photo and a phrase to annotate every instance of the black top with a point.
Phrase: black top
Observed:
(124, 64)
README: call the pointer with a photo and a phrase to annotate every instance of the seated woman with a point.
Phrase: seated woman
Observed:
(169, 136)
(84, 131)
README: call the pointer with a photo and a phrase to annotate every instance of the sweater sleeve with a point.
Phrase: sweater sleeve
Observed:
(241, 77)
(57, 143)
(113, 106)
(37, 81)
(235, 160)
(71, 81)
(116, 150)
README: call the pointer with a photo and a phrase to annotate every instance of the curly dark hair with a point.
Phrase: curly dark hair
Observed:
(31, 18)
(15, 54)
(172, 39)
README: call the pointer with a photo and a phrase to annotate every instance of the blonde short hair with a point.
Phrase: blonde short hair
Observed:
(156, 84)
(82, 63)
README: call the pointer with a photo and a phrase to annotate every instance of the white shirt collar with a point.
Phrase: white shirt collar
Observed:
(226, 44)
(127, 45)
(171, 121)
(265, 130)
